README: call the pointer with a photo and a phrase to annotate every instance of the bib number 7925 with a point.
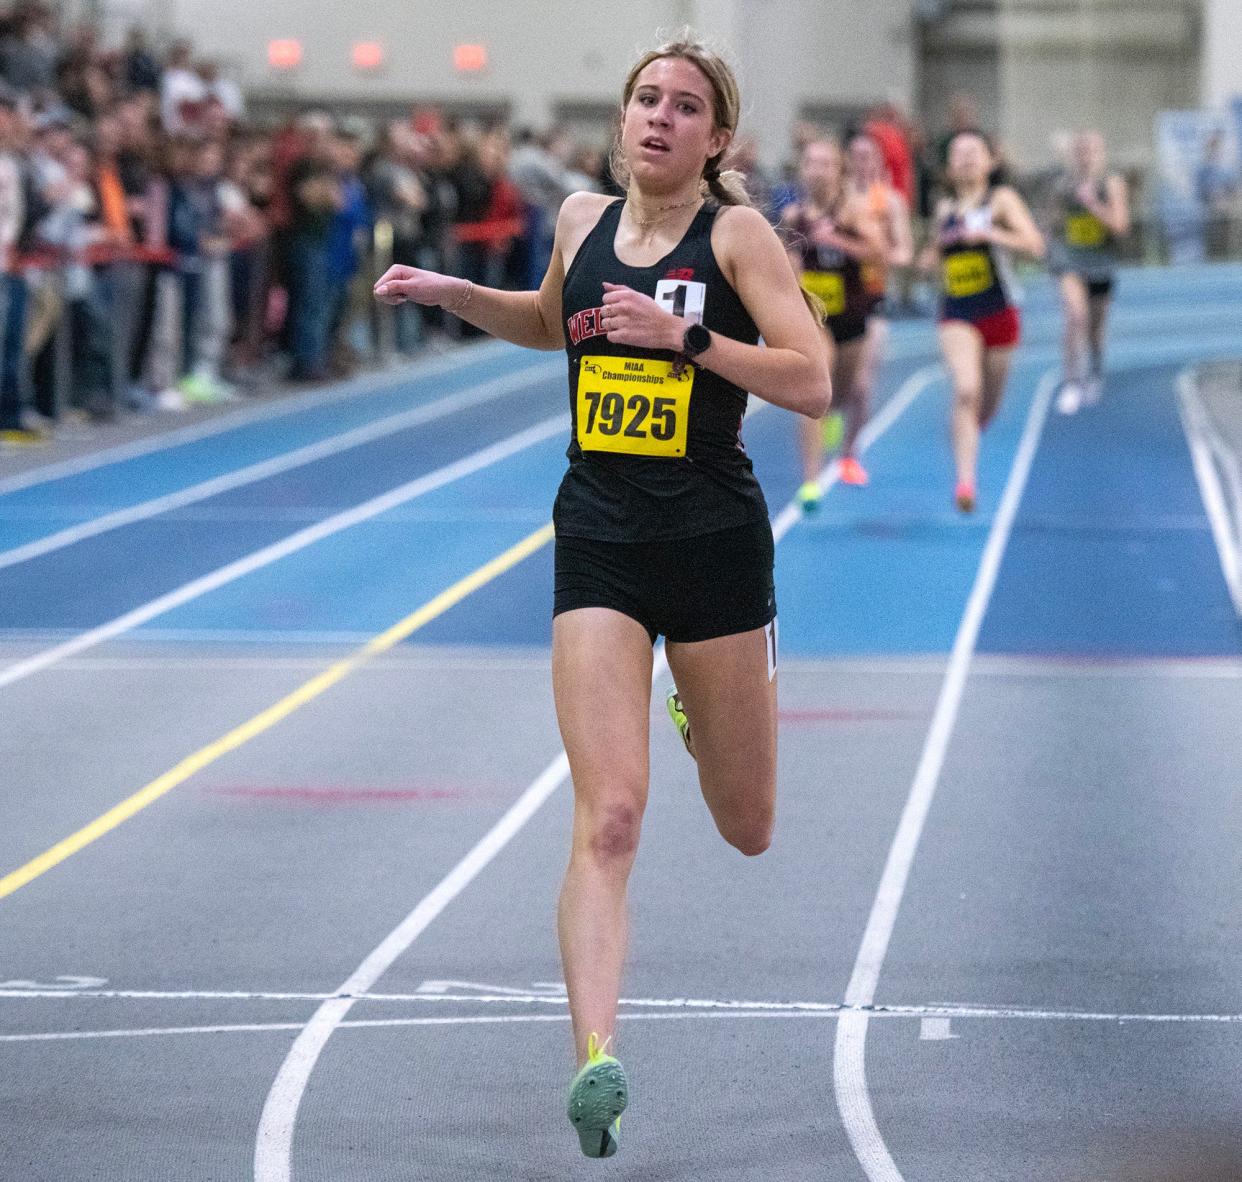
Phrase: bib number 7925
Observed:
(633, 406)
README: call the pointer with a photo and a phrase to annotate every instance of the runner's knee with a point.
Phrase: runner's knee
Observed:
(612, 831)
(968, 395)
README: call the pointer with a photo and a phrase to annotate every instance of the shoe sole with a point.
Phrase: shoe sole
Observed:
(597, 1099)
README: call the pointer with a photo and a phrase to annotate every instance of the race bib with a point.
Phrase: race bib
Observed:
(633, 405)
(967, 273)
(829, 286)
(1084, 229)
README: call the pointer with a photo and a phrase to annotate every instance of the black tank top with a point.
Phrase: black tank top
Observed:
(831, 274)
(652, 456)
(1085, 242)
(975, 277)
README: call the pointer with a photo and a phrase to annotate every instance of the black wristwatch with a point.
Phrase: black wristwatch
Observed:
(695, 340)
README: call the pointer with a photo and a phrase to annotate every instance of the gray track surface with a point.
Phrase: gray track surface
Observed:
(219, 891)
(1077, 876)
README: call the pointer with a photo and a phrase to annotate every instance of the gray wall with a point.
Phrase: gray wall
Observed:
(1107, 64)
(1042, 68)
(546, 56)
(1038, 66)
(1222, 51)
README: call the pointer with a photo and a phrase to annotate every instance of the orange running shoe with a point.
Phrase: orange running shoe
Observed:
(964, 497)
(852, 472)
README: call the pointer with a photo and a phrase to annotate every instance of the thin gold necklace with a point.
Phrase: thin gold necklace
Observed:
(657, 215)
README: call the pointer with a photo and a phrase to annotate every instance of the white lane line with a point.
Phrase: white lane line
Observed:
(1211, 668)
(936, 1029)
(290, 404)
(372, 1023)
(367, 433)
(301, 514)
(1219, 498)
(428, 658)
(274, 1142)
(927, 1012)
(514, 997)
(849, 1058)
(910, 342)
(435, 657)
(467, 465)
(888, 414)
(824, 1013)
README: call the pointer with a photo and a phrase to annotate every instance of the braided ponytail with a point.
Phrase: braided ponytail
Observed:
(727, 187)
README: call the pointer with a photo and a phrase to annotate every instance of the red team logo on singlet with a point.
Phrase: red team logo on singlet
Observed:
(584, 324)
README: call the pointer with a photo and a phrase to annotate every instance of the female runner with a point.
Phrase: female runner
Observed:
(975, 228)
(660, 299)
(1091, 210)
(830, 234)
(868, 177)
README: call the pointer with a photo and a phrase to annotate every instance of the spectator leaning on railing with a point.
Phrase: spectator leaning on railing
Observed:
(400, 199)
(315, 197)
(349, 234)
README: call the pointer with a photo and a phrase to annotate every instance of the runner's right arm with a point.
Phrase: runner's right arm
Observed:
(929, 257)
(528, 318)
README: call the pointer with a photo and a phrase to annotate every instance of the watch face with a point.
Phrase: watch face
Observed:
(697, 339)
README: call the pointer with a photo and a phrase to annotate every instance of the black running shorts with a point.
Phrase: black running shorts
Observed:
(687, 589)
(847, 328)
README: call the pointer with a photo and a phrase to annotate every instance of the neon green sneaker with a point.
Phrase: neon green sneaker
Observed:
(597, 1097)
(196, 388)
(677, 712)
(832, 430)
(809, 496)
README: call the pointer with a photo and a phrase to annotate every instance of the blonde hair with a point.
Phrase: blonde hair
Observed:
(727, 186)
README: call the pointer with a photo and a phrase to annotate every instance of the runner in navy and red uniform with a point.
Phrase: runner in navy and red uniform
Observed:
(976, 227)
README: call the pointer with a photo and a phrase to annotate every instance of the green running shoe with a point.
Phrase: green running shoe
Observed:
(677, 712)
(809, 496)
(597, 1097)
(832, 430)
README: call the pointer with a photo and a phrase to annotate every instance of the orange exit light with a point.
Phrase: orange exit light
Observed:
(469, 57)
(367, 55)
(284, 54)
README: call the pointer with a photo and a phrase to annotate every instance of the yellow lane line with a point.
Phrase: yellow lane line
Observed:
(273, 714)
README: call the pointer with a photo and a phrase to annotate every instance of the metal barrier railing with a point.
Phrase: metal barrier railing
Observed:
(124, 273)
(64, 315)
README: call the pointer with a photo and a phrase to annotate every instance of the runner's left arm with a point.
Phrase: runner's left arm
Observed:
(867, 244)
(1017, 230)
(791, 368)
(900, 235)
(1116, 212)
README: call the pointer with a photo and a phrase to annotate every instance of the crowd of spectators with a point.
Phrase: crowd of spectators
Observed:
(162, 249)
